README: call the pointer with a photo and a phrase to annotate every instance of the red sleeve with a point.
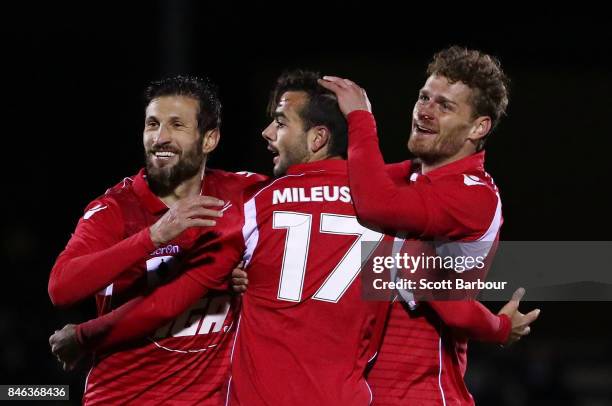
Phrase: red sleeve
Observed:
(96, 254)
(140, 316)
(473, 320)
(425, 210)
(398, 172)
(378, 200)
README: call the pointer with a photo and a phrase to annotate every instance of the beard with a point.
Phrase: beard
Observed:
(293, 155)
(436, 150)
(163, 181)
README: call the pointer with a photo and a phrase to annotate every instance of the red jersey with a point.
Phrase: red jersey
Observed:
(422, 359)
(187, 360)
(305, 334)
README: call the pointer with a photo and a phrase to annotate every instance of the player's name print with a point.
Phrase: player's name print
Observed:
(313, 194)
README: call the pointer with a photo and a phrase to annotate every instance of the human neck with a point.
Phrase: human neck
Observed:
(320, 156)
(187, 188)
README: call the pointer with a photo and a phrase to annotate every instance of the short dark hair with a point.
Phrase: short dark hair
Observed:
(480, 72)
(321, 107)
(201, 89)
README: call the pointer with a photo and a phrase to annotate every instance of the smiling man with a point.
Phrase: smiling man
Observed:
(138, 236)
(448, 196)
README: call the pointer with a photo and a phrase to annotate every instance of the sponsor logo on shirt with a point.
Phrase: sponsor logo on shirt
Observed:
(207, 316)
(167, 250)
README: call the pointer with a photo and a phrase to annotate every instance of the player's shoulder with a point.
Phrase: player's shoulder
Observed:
(472, 181)
(112, 199)
(240, 179)
(238, 182)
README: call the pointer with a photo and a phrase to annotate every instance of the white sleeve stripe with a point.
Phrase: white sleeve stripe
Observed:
(250, 232)
(493, 229)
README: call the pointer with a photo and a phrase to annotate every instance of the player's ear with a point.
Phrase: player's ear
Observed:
(320, 138)
(211, 140)
(480, 128)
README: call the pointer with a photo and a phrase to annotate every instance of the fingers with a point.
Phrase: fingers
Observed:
(512, 306)
(198, 222)
(518, 294)
(198, 201)
(329, 81)
(202, 212)
(334, 87)
(239, 273)
(338, 81)
(208, 201)
(239, 279)
(239, 287)
(365, 94)
(532, 316)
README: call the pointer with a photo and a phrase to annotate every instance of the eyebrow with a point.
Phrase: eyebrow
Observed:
(439, 98)
(277, 114)
(444, 99)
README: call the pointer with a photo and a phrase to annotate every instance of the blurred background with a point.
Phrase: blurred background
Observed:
(72, 115)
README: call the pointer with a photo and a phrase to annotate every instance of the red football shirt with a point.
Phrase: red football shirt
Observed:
(305, 334)
(422, 359)
(187, 360)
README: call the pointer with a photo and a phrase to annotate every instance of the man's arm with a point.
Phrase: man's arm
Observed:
(142, 315)
(473, 320)
(377, 198)
(476, 322)
(469, 317)
(97, 254)
(135, 319)
(207, 267)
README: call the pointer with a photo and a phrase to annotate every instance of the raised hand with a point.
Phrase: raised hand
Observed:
(521, 323)
(350, 96)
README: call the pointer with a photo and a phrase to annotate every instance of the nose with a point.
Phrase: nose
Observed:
(269, 133)
(424, 111)
(162, 136)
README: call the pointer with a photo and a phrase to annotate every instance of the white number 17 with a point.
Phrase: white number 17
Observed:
(295, 256)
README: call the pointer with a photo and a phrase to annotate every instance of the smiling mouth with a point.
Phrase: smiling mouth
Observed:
(423, 130)
(164, 156)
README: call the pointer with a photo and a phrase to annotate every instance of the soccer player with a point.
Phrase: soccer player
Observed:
(449, 196)
(142, 233)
